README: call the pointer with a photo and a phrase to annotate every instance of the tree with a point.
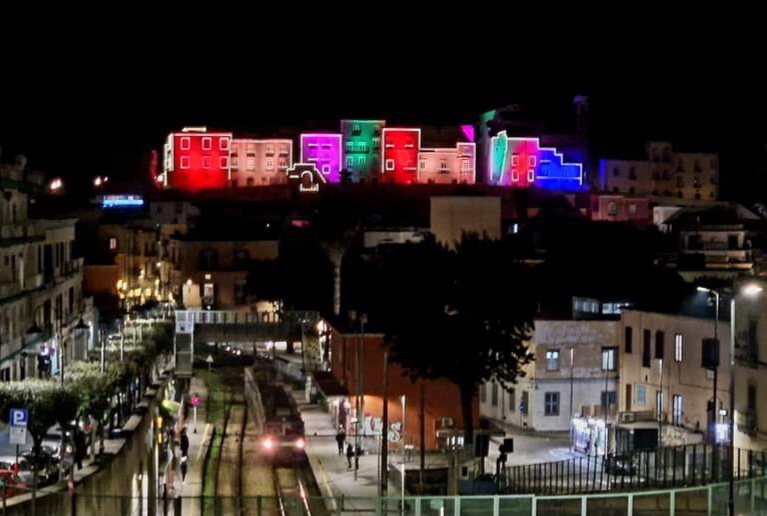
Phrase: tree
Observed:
(462, 315)
(47, 402)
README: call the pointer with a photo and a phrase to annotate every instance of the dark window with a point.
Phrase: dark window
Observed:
(208, 259)
(482, 392)
(752, 398)
(659, 344)
(494, 394)
(646, 337)
(512, 400)
(551, 404)
(71, 300)
(608, 399)
(241, 257)
(629, 339)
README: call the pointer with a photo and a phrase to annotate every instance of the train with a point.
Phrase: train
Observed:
(283, 439)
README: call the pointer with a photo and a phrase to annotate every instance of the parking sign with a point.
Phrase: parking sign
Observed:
(19, 417)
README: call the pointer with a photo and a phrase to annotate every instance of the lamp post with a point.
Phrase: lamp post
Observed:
(751, 290)
(714, 404)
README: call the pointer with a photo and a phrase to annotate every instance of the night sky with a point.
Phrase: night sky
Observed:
(78, 119)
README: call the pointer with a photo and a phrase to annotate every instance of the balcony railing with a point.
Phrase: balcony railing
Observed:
(746, 421)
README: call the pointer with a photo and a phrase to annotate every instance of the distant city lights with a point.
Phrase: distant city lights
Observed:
(100, 180)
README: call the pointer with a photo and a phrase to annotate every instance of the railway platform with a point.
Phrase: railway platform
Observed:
(191, 489)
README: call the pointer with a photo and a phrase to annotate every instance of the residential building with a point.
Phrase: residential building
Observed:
(662, 377)
(260, 162)
(210, 269)
(443, 420)
(40, 284)
(196, 159)
(663, 172)
(522, 162)
(574, 375)
(400, 155)
(620, 208)
(448, 165)
(324, 152)
(452, 216)
(361, 141)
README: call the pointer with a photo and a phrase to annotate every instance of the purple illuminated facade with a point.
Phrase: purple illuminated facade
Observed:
(323, 150)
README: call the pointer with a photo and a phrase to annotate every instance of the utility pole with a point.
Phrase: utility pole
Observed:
(572, 411)
(385, 430)
(422, 431)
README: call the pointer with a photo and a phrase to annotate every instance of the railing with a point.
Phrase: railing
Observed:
(689, 465)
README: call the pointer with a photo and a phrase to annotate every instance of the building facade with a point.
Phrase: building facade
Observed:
(620, 208)
(452, 216)
(196, 159)
(448, 165)
(400, 155)
(361, 140)
(664, 173)
(324, 152)
(260, 162)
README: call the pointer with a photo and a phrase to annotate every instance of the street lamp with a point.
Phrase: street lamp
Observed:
(714, 404)
(751, 290)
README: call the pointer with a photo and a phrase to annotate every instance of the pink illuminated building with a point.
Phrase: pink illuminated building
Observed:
(400, 155)
(196, 159)
(448, 165)
(260, 162)
(323, 150)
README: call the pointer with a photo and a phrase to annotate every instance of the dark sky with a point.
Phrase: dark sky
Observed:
(79, 118)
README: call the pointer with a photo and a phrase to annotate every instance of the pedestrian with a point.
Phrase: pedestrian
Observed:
(184, 464)
(184, 443)
(340, 439)
(80, 447)
(349, 454)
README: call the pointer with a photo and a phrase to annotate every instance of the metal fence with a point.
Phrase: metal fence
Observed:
(678, 466)
(711, 500)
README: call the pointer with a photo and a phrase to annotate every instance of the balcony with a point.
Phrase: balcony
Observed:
(746, 422)
(21, 233)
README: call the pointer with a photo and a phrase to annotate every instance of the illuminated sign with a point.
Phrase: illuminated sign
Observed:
(307, 177)
(122, 201)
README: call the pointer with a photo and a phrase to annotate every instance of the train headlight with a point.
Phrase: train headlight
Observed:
(267, 443)
(300, 444)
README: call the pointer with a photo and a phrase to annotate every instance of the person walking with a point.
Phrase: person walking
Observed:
(341, 439)
(184, 466)
(349, 454)
(184, 443)
(80, 448)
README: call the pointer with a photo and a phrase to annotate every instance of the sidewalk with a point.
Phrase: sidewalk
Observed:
(331, 470)
(191, 490)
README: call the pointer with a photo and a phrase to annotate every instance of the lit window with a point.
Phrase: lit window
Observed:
(677, 410)
(641, 395)
(223, 162)
(659, 404)
(514, 176)
(443, 165)
(376, 143)
(531, 161)
(223, 144)
(270, 164)
(530, 175)
(632, 209)
(465, 165)
(206, 162)
(349, 161)
(551, 404)
(609, 356)
(349, 146)
(250, 164)
(112, 244)
(184, 161)
(361, 161)
(283, 163)
(270, 149)
(678, 347)
(423, 164)
(389, 164)
(514, 160)
(206, 143)
(552, 360)
(184, 143)
(356, 128)
(234, 165)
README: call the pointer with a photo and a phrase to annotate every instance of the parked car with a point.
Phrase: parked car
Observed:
(47, 466)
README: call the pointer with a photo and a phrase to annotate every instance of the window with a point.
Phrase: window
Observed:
(632, 173)
(206, 162)
(659, 344)
(223, 162)
(530, 175)
(207, 291)
(628, 339)
(609, 356)
(349, 146)
(356, 128)
(362, 147)
(677, 402)
(552, 360)
(206, 143)
(646, 336)
(632, 209)
(349, 161)
(465, 165)
(641, 395)
(523, 402)
(270, 164)
(235, 166)
(608, 399)
(551, 404)
(482, 392)
(512, 400)
(184, 143)
(531, 161)
(680, 182)
(612, 209)
(514, 160)
(443, 165)
(514, 176)
(494, 394)
(678, 345)
(659, 404)
(389, 164)
(240, 293)
(223, 144)
(113, 244)
(616, 172)
(361, 160)
(208, 259)
(422, 164)
(326, 169)
(250, 182)
(376, 143)
(250, 164)
(184, 161)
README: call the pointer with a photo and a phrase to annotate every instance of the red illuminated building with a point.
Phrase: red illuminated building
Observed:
(196, 159)
(400, 155)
